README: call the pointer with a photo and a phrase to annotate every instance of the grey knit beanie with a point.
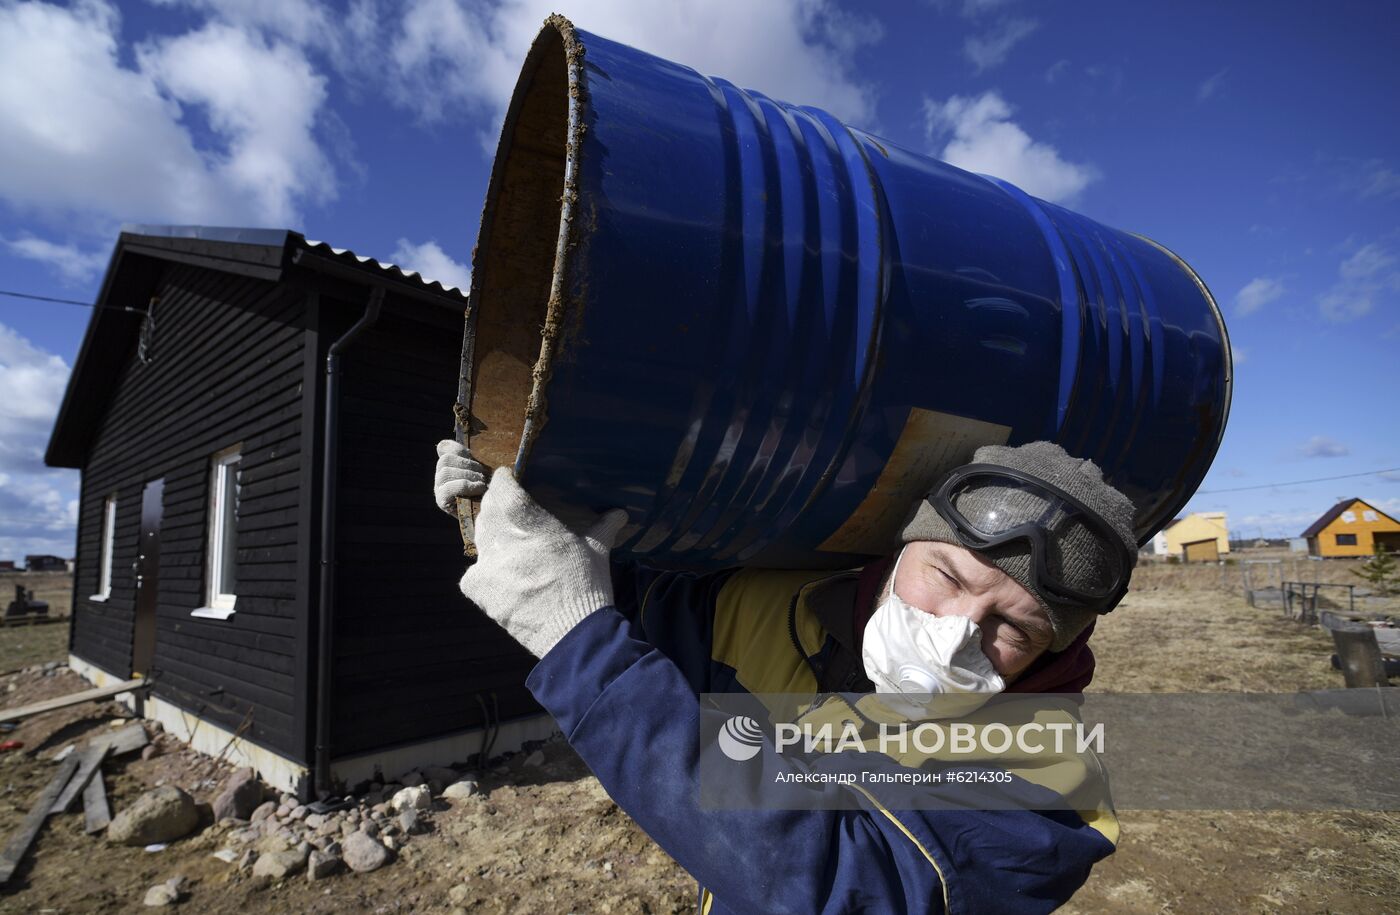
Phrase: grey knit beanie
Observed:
(1081, 557)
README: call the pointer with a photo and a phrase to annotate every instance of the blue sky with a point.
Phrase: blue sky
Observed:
(1259, 141)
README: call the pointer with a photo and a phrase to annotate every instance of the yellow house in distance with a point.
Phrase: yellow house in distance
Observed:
(1352, 528)
(1198, 537)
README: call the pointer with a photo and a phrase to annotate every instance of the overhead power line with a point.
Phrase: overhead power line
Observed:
(45, 298)
(49, 298)
(1345, 476)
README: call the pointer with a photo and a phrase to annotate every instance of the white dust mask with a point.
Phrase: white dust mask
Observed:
(906, 650)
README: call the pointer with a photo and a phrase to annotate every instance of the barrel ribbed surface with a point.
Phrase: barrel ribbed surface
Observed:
(779, 329)
(794, 327)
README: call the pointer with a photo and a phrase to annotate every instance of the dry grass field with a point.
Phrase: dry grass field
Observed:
(546, 838)
(1177, 631)
(26, 644)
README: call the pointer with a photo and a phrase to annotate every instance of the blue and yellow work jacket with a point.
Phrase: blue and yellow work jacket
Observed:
(623, 686)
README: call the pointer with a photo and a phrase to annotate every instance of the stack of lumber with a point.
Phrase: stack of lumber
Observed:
(80, 773)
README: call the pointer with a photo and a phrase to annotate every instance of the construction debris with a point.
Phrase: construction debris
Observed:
(88, 762)
(19, 843)
(97, 814)
(90, 695)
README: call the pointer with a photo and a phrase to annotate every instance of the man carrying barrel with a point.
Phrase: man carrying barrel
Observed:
(1003, 570)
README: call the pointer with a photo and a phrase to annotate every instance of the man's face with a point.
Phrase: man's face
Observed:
(948, 580)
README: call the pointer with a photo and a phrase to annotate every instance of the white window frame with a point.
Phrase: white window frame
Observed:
(1370, 516)
(1349, 517)
(218, 551)
(109, 542)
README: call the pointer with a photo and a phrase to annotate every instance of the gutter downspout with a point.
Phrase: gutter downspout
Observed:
(326, 609)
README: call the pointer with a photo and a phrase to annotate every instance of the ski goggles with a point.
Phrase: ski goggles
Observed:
(988, 505)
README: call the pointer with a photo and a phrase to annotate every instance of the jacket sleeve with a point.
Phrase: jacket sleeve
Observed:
(674, 612)
(633, 717)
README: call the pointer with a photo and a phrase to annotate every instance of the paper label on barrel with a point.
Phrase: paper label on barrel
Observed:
(930, 444)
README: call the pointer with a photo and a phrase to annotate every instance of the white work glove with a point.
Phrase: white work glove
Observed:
(458, 476)
(534, 575)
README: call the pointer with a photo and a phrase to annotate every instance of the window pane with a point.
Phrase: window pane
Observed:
(228, 503)
(1346, 540)
(109, 536)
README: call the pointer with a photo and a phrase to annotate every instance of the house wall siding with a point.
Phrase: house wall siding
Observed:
(228, 369)
(1196, 527)
(412, 656)
(1364, 530)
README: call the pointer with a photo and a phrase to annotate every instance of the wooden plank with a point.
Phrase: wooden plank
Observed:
(22, 838)
(89, 761)
(91, 695)
(96, 811)
(127, 740)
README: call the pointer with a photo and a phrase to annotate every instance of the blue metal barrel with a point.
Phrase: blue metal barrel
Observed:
(765, 333)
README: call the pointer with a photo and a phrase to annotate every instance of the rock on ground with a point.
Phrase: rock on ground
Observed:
(167, 893)
(362, 853)
(279, 865)
(240, 796)
(263, 811)
(160, 815)
(321, 865)
(462, 790)
(410, 822)
(419, 798)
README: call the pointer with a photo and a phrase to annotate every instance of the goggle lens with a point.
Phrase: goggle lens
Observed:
(992, 505)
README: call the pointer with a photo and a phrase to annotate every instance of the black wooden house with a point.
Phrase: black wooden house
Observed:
(239, 395)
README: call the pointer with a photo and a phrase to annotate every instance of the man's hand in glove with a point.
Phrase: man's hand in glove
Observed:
(458, 476)
(533, 575)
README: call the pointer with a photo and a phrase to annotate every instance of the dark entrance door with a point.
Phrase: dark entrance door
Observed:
(143, 634)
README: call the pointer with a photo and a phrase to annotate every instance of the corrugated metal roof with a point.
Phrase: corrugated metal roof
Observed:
(290, 247)
(350, 257)
(134, 269)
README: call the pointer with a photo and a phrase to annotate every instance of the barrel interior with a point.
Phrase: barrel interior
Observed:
(515, 263)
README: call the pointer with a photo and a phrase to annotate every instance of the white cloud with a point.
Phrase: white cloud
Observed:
(262, 99)
(1238, 355)
(1056, 70)
(1257, 293)
(87, 134)
(71, 264)
(1211, 84)
(1320, 446)
(1380, 180)
(37, 507)
(1365, 279)
(433, 263)
(982, 138)
(303, 22)
(991, 49)
(446, 57)
(1390, 476)
(1390, 506)
(1278, 523)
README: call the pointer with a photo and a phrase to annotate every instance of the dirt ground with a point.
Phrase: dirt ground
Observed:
(544, 837)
